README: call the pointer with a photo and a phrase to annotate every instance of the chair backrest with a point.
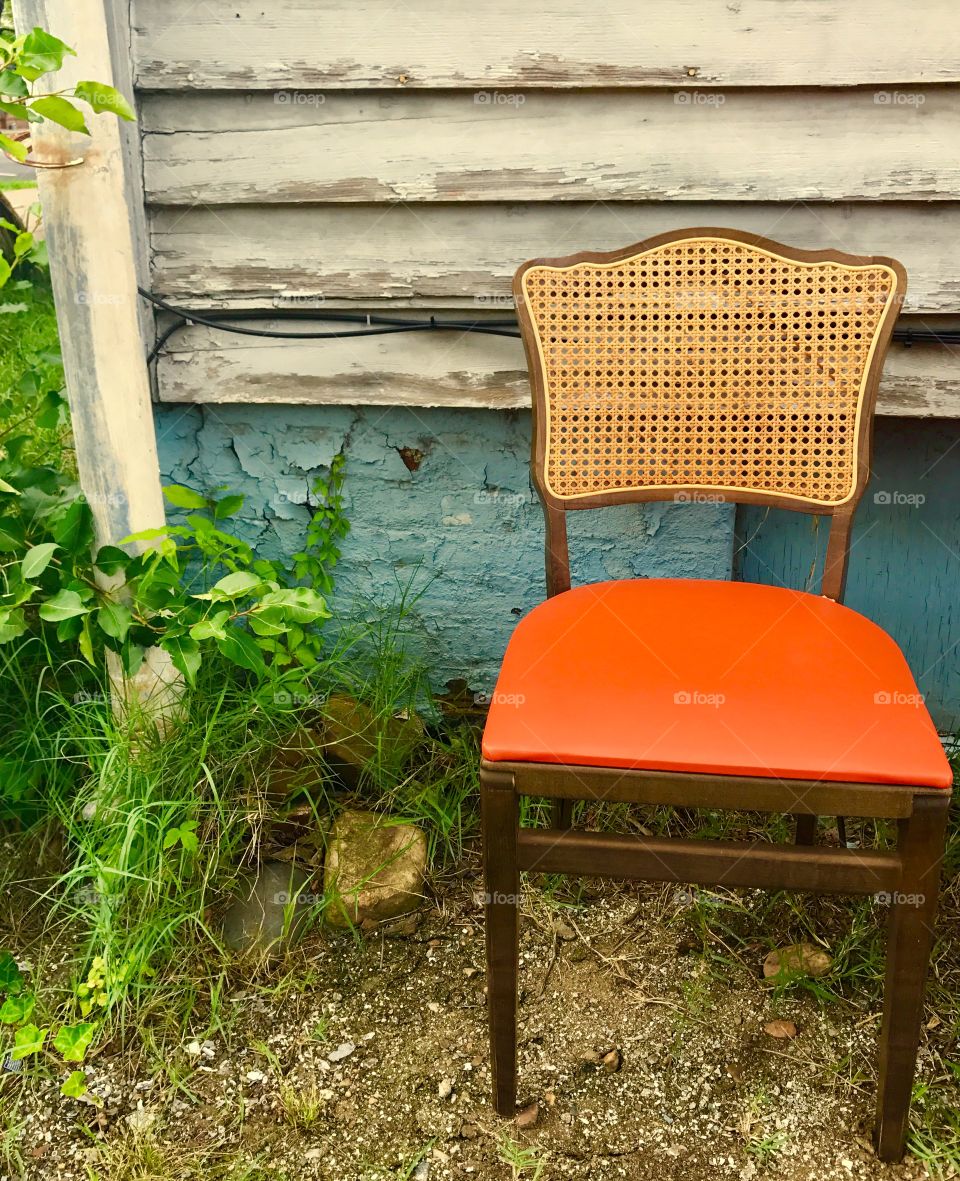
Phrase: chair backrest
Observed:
(706, 365)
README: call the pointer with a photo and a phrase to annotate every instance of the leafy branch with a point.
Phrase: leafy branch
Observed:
(196, 588)
(27, 58)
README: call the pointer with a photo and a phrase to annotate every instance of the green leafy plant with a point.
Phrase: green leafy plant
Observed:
(93, 995)
(71, 1041)
(28, 1040)
(11, 978)
(31, 369)
(92, 991)
(185, 836)
(328, 527)
(16, 1008)
(31, 56)
(75, 1085)
(195, 588)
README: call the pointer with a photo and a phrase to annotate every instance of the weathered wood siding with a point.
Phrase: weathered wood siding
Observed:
(641, 145)
(322, 154)
(324, 44)
(464, 255)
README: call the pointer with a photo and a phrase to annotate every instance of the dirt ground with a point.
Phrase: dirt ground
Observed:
(366, 1058)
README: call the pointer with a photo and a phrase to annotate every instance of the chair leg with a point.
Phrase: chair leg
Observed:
(562, 813)
(501, 877)
(806, 831)
(909, 942)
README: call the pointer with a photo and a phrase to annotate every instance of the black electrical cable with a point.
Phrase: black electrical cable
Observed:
(375, 325)
(930, 335)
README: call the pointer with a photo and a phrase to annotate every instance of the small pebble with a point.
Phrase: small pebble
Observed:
(612, 1061)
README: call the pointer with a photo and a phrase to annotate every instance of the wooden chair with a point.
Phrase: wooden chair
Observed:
(715, 365)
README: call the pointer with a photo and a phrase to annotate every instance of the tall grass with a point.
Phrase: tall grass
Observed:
(129, 889)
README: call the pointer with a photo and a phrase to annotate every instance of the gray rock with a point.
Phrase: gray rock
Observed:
(270, 910)
(374, 869)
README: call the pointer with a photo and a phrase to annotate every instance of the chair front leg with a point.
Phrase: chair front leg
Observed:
(909, 942)
(500, 817)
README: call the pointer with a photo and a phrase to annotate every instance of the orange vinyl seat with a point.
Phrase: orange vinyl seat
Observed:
(728, 678)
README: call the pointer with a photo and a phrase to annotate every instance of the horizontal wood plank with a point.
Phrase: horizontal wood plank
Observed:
(446, 369)
(415, 369)
(459, 43)
(808, 145)
(464, 256)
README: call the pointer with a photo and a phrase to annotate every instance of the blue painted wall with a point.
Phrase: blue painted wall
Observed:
(904, 568)
(464, 528)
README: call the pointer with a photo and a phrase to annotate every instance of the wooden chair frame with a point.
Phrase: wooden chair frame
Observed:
(909, 876)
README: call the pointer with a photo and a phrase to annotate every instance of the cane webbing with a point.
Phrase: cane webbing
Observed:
(707, 363)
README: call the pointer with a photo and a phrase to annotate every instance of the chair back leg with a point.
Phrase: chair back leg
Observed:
(501, 883)
(909, 942)
(806, 829)
(561, 812)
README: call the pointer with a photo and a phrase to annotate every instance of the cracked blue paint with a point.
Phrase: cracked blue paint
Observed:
(464, 531)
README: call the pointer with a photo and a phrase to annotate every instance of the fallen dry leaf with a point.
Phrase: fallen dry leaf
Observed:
(529, 1116)
(798, 957)
(780, 1028)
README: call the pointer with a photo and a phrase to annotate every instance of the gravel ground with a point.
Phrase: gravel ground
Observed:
(366, 1058)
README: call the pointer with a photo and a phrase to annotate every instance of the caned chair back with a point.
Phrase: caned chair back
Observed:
(706, 364)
